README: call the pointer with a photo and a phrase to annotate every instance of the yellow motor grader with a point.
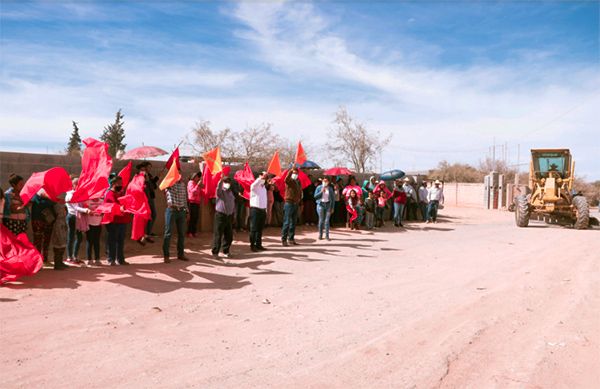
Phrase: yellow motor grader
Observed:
(551, 197)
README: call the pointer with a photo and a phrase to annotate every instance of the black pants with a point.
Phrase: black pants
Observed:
(222, 233)
(93, 242)
(410, 210)
(194, 214)
(258, 217)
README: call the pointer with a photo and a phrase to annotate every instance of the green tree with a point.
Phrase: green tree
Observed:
(74, 146)
(114, 135)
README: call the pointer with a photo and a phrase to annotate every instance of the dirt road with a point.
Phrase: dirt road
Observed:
(471, 302)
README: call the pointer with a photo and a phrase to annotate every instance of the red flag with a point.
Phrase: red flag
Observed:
(210, 181)
(55, 182)
(136, 203)
(245, 178)
(279, 181)
(275, 165)
(213, 160)
(125, 174)
(300, 155)
(18, 257)
(96, 165)
(174, 157)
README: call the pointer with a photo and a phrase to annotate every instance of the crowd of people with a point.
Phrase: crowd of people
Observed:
(327, 202)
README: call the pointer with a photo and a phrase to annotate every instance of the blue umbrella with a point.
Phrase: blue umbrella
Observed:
(307, 165)
(391, 175)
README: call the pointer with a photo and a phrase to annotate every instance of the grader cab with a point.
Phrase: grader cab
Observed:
(551, 197)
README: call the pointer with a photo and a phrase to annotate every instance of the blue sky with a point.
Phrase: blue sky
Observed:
(443, 78)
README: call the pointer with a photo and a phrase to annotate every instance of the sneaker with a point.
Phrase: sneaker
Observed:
(228, 255)
(426, 221)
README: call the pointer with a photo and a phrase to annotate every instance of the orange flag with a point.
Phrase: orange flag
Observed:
(275, 165)
(171, 178)
(300, 155)
(213, 160)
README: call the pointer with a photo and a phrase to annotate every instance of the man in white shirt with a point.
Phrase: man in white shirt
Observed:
(423, 192)
(258, 211)
(435, 196)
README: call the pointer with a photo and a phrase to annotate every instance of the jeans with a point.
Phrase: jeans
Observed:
(258, 217)
(93, 242)
(432, 210)
(290, 216)
(116, 242)
(379, 216)
(177, 216)
(324, 213)
(222, 233)
(423, 207)
(398, 209)
(194, 217)
(370, 217)
(150, 223)
(74, 237)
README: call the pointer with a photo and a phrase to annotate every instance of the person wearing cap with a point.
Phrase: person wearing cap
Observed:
(435, 197)
(423, 200)
(293, 197)
(325, 198)
(223, 224)
(411, 200)
(176, 212)
(258, 211)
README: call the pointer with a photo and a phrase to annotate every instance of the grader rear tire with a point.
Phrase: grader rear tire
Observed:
(522, 211)
(582, 220)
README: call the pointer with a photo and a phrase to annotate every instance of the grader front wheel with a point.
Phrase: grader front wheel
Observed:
(522, 212)
(582, 214)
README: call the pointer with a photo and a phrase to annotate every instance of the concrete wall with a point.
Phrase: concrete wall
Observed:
(464, 195)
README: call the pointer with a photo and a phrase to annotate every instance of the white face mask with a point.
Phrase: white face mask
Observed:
(325, 183)
(226, 186)
(294, 176)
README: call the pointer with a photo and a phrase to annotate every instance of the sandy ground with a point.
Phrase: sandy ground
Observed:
(469, 302)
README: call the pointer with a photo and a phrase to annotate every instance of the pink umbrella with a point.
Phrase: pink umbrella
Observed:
(144, 152)
(338, 171)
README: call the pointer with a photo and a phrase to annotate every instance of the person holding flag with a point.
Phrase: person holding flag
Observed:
(176, 211)
(293, 197)
(258, 211)
(223, 224)
(116, 222)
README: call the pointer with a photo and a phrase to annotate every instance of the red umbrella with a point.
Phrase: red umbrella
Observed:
(144, 152)
(338, 171)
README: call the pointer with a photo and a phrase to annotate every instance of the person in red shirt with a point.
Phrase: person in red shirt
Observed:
(116, 228)
(399, 196)
(194, 187)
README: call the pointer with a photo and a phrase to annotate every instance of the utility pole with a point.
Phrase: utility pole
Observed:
(494, 155)
(518, 164)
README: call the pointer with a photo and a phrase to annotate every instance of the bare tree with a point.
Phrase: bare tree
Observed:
(205, 139)
(352, 142)
(257, 144)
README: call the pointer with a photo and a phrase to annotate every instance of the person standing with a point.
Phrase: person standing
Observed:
(92, 235)
(193, 190)
(411, 200)
(325, 198)
(258, 211)
(270, 201)
(15, 214)
(116, 228)
(175, 213)
(223, 225)
(435, 196)
(309, 212)
(399, 196)
(74, 235)
(42, 221)
(293, 197)
(59, 237)
(423, 200)
(240, 206)
(370, 205)
(150, 186)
